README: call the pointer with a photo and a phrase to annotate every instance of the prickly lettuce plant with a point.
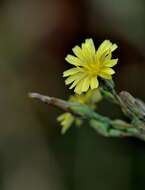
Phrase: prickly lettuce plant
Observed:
(91, 78)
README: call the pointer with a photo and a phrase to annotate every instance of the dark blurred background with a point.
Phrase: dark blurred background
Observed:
(35, 36)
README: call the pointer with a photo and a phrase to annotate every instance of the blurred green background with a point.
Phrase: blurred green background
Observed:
(35, 36)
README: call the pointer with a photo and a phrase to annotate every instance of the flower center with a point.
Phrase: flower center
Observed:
(92, 68)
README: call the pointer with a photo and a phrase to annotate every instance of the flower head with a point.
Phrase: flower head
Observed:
(90, 99)
(89, 65)
(66, 120)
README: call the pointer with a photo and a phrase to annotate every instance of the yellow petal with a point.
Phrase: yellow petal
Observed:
(94, 83)
(80, 76)
(66, 121)
(78, 88)
(90, 46)
(85, 84)
(88, 49)
(70, 72)
(110, 63)
(106, 45)
(103, 47)
(114, 47)
(71, 79)
(108, 71)
(78, 52)
(104, 75)
(73, 60)
(60, 117)
(85, 51)
(106, 56)
(74, 83)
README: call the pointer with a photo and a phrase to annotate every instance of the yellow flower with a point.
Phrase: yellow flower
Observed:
(89, 65)
(66, 121)
(90, 98)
